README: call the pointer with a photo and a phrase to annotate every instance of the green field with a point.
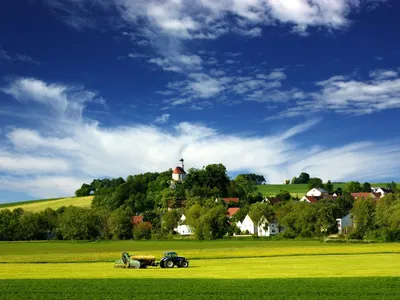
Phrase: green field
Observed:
(297, 189)
(40, 205)
(223, 269)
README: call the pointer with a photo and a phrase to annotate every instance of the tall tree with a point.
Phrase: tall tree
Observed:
(352, 187)
(315, 183)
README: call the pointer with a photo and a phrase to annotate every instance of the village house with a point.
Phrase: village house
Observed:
(383, 191)
(263, 228)
(271, 200)
(183, 228)
(317, 192)
(310, 199)
(228, 200)
(179, 174)
(344, 223)
(231, 211)
(365, 195)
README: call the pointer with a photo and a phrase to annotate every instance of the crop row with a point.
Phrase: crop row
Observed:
(306, 288)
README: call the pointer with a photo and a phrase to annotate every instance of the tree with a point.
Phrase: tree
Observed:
(329, 187)
(315, 183)
(259, 210)
(366, 187)
(283, 195)
(363, 213)
(142, 231)
(85, 190)
(294, 180)
(303, 178)
(120, 224)
(392, 186)
(169, 220)
(213, 224)
(77, 223)
(352, 187)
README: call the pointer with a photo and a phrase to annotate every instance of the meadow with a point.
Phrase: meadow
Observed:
(223, 269)
(40, 205)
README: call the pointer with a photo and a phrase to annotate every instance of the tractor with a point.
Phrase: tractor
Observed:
(169, 260)
(172, 259)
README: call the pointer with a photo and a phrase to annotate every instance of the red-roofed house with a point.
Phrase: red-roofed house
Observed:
(366, 195)
(309, 199)
(137, 219)
(231, 211)
(229, 200)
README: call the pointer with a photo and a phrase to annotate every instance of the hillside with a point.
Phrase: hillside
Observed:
(294, 189)
(40, 205)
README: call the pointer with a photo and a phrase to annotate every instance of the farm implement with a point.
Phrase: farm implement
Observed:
(169, 260)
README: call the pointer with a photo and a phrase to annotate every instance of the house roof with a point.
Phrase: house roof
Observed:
(227, 200)
(273, 200)
(312, 199)
(137, 219)
(366, 195)
(232, 210)
(178, 170)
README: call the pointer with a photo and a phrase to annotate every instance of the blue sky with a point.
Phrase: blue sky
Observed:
(92, 88)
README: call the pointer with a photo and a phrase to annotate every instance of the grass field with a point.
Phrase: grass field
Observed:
(40, 205)
(296, 189)
(224, 269)
(210, 289)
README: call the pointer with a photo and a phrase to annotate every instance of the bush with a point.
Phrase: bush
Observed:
(393, 236)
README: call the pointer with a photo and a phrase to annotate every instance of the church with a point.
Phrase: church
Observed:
(179, 174)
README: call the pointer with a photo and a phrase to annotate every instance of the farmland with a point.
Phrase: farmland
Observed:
(218, 270)
(40, 205)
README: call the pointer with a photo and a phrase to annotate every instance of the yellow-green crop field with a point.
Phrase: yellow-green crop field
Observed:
(224, 269)
(36, 206)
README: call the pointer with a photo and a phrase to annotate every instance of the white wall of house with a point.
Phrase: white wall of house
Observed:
(178, 177)
(259, 230)
(316, 192)
(344, 222)
(304, 199)
(183, 229)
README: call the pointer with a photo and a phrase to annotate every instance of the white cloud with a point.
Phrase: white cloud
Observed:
(346, 95)
(178, 63)
(162, 119)
(58, 159)
(62, 99)
(258, 87)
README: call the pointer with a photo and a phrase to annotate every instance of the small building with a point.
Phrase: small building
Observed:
(344, 222)
(382, 190)
(317, 192)
(183, 228)
(263, 228)
(137, 219)
(365, 195)
(179, 174)
(309, 199)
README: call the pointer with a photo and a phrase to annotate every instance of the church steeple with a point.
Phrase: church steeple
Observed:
(181, 163)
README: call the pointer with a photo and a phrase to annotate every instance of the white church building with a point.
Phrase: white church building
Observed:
(179, 174)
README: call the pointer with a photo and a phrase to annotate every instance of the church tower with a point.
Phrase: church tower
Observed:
(179, 173)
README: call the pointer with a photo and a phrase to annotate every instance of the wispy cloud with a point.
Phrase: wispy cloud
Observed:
(348, 95)
(162, 119)
(5, 56)
(167, 25)
(59, 158)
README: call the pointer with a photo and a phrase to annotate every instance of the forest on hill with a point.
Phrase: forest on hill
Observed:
(159, 202)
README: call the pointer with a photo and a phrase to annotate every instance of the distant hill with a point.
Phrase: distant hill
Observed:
(39, 205)
(294, 189)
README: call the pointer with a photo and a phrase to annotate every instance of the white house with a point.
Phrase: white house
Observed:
(317, 192)
(344, 222)
(263, 228)
(179, 174)
(182, 228)
(382, 191)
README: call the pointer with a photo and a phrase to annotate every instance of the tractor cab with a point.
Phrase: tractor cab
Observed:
(170, 254)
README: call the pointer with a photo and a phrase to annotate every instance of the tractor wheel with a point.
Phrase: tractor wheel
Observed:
(169, 264)
(184, 264)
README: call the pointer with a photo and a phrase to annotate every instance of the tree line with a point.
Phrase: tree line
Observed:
(162, 202)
